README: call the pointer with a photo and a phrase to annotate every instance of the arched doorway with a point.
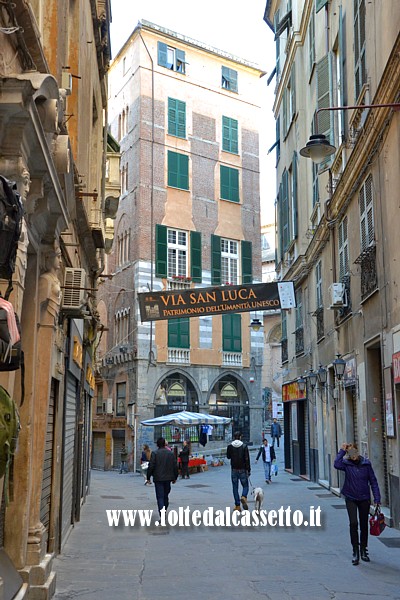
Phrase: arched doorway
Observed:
(228, 398)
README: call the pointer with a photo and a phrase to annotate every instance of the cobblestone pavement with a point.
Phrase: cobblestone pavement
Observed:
(220, 563)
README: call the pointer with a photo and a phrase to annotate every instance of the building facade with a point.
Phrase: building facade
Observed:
(337, 222)
(185, 115)
(52, 144)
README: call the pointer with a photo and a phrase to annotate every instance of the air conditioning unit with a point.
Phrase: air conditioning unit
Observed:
(74, 292)
(338, 295)
(109, 406)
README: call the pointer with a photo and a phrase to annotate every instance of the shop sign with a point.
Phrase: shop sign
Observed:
(291, 392)
(77, 353)
(396, 367)
(90, 377)
(350, 373)
(197, 302)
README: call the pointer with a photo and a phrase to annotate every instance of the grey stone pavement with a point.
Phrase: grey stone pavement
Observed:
(232, 563)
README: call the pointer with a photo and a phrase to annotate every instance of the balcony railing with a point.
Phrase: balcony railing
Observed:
(299, 335)
(231, 359)
(369, 278)
(179, 356)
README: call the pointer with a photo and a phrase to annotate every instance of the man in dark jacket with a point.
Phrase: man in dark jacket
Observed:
(359, 478)
(276, 432)
(238, 454)
(163, 467)
(184, 456)
(268, 455)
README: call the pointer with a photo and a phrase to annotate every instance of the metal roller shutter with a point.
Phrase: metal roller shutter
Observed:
(118, 441)
(45, 500)
(68, 455)
(99, 450)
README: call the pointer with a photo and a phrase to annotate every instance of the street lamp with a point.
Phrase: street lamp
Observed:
(339, 365)
(302, 383)
(312, 379)
(322, 375)
(256, 324)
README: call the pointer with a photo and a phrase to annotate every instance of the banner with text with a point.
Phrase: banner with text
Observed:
(200, 302)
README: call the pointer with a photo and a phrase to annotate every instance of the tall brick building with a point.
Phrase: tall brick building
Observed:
(186, 117)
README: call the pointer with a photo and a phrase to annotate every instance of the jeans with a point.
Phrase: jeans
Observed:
(163, 489)
(236, 476)
(275, 437)
(267, 470)
(123, 466)
(362, 506)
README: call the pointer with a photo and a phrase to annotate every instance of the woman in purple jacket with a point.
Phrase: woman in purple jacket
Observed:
(359, 477)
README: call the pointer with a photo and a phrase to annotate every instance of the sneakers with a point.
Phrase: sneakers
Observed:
(267, 481)
(237, 508)
(243, 500)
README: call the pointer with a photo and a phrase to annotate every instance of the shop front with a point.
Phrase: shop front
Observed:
(296, 427)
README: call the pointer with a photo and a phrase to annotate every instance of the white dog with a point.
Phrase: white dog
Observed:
(258, 494)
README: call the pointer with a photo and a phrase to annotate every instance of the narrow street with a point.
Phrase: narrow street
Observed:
(226, 563)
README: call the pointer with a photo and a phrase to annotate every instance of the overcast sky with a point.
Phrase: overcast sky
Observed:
(231, 25)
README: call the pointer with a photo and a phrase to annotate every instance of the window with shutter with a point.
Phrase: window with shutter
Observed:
(171, 58)
(367, 230)
(294, 196)
(247, 262)
(299, 308)
(229, 79)
(311, 42)
(195, 256)
(178, 170)
(359, 46)
(277, 45)
(318, 279)
(320, 4)
(215, 260)
(343, 250)
(176, 118)
(324, 96)
(177, 252)
(232, 333)
(285, 212)
(230, 135)
(229, 183)
(229, 262)
(179, 333)
(161, 251)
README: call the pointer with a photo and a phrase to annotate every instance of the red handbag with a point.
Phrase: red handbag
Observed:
(377, 522)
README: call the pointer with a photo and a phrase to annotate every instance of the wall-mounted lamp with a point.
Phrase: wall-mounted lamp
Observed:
(302, 384)
(256, 324)
(339, 365)
(322, 375)
(312, 379)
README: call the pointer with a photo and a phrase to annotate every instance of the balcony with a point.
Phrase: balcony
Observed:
(231, 359)
(369, 278)
(179, 283)
(178, 356)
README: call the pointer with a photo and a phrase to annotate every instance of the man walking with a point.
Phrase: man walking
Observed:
(163, 467)
(276, 432)
(268, 455)
(238, 453)
(124, 459)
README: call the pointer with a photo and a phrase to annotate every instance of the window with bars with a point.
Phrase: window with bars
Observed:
(230, 135)
(171, 58)
(367, 229)
(229, 79)
(176, 118)
(177, 252)
(360, 72)
(229, 261)
(343, 249)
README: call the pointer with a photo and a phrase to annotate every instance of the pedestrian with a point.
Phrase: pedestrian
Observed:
(163, 467)
(184, 456)
(144, 461)
(359, 481)
(238, 453)
(124, 459)
(268, 455)
(276, 432)
(168, 447)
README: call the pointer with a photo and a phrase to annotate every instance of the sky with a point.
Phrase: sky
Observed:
(231, 25)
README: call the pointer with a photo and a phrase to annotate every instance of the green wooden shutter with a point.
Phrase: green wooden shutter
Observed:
(230, 135)
(178, 170)
(178, 333)
(161, 251)
(285, 213)
(180, 61)
(172, 124)
(215, 260)
(195, 256)
(342, 58)
(234, 80)
(176, 117)
(224, 174)
(320, 4)
(229, 183)
(278, 218)
(294, 195)
(247, 263)
(231, 333)
(293, 91)
(162, 54)
(324, 96)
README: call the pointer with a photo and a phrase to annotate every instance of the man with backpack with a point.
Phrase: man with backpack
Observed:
(238, 453)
